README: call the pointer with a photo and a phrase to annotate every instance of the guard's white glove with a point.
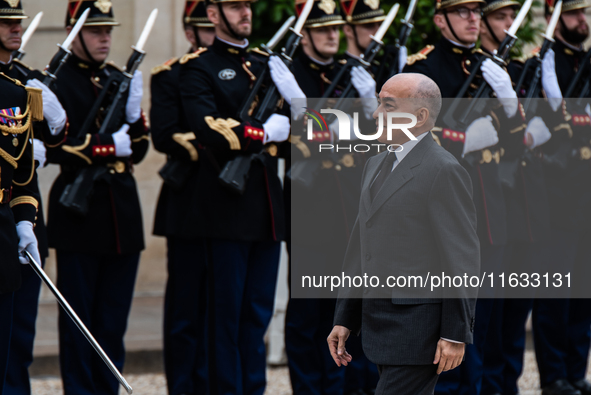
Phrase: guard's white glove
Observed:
(277, 128)
(122, 142)
(53, 112)
(550, 81)
(366, 87)
(500, 82)
(27, 241)
(480, 134)
(363, 82)
(39, 152)
(538, 132)
(402, 58)
(285, 80)
(133, 109)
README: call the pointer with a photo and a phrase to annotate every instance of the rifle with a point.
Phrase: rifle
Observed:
(583, 72)
(234, 175)
(364, 61)
(110, 107)
(392, 51)
(459, 115)
(20, 53)
(529, 80)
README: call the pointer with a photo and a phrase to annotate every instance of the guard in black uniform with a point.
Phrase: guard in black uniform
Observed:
(323, 216)
(528, 225)
(97, 253)
(26, 300)
(561, 326)
(19, 193)
(449, 63)
(185, 342)
(242, 231)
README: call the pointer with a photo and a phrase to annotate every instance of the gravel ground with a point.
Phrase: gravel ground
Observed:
(154, 384)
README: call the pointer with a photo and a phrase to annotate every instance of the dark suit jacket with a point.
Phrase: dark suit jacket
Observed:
(422, 220)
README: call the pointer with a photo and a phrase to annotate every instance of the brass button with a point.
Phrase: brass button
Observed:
(523, 163)
(468, 63)
(487, 156)
(327, 164)
(119, 167)
(248, 63)
(348, 160)
(338, 167)
(272, 150)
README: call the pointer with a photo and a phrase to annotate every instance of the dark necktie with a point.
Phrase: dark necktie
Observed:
(385, 171)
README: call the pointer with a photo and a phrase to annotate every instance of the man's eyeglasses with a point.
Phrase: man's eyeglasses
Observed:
(464, 12)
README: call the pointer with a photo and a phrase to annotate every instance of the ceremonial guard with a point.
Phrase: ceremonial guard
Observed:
(528, 225)
(185, 342)
(323, 215)
(19, 193)
(561, 326)
(26, 300)
(449, 63)
(98, 248)
(242, 228)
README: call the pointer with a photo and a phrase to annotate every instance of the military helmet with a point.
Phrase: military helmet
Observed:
(101, 12)
(12, 9)
(444, 4)
(196, 14)
(208, 2)
(567, 5)
(324, 13)
(493, 5)
(358, 12)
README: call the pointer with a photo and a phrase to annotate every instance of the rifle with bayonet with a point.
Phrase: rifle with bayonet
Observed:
(460, 113)
(529, 83)
(110, 108)
(234, 175)
(19, 54)
(391, 53)
(364, 61)
(49, 75)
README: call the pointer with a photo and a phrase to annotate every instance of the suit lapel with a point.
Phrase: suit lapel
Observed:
(400, 176)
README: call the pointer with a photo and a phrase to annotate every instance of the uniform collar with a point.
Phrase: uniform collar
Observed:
(317, 65)
(78, 63)
(561, 46)
(450, 46)
(225, 47)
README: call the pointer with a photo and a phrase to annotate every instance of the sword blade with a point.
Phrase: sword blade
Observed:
(68, 309)
(75, 30)
(30, 31)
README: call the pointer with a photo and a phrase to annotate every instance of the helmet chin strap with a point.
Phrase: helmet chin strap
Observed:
(86, 52)
(451, 28)
(359, 47)
(492, 33)
(314, 49)
(232, 32)
(197, 39)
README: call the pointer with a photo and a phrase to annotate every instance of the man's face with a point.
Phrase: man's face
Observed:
(465, 20)
(206, 35)
(97, 40)
(10, 33)
(239, 17)
(325, 38)
(394, 98)
(577, 29)
(364, 32)
(499, 21)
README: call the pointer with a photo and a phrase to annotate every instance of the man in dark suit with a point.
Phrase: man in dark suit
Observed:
(418, 201)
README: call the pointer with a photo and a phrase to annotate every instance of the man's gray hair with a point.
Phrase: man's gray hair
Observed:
(429, 96)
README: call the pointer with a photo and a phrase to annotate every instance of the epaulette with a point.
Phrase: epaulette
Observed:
(193, 55)
(258, 51)
(34, 99)
(165, 66)
(421, 55)
(16, 82)
(21, 64)
(112, 64)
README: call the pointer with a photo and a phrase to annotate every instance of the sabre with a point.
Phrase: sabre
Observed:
(503, 53)
(68, 309)
(64, 52)
(280, 33)
(20, 53)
